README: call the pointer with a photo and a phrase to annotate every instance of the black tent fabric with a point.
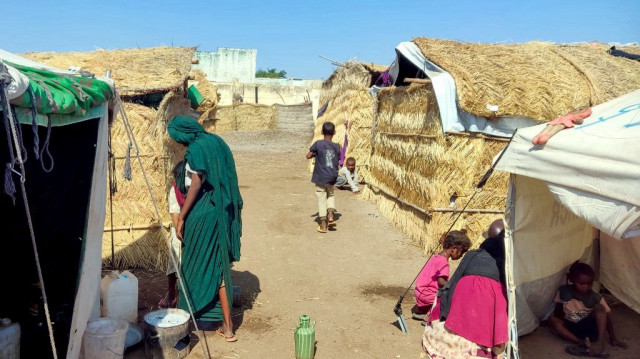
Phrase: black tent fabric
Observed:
(58, 203)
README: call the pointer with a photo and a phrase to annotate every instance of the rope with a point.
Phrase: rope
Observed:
(17, 143)
(9, 185)
(113, 188)
(45, 148)
(126, 171)
(134, 144)
(398, 309)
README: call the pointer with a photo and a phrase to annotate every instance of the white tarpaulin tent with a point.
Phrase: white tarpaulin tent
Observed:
(584, 184)
(87, 283)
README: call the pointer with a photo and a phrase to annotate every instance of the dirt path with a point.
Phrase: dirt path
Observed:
(348, 281)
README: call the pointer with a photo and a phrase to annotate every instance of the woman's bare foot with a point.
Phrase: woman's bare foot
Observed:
(227, 333)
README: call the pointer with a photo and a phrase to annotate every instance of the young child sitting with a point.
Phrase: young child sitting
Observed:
(325, 173)
(348, 176)
(435, 273)
(581, 314)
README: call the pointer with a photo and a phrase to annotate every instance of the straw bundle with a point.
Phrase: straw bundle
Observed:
(347, 93)
(352, 75)
(136, 71)
(210, 93)
(172, 105)
(243, 117)
(413, 162)
(537, 80)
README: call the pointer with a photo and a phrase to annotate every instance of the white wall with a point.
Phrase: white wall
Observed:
(226, 64)
(272, 92)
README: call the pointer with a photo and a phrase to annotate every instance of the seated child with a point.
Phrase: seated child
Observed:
(348, 176)
(435, 273)
(581, 314)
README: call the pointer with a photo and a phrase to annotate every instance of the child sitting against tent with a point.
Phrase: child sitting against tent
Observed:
(435, 273)
(581, 314)
(176, 200)
(325, 173)
(348, 176)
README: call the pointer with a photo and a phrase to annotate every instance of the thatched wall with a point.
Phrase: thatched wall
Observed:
(138, 241)
(535, 79)
(347, 93)
(243, 117)
(413, 162)
(135, 71)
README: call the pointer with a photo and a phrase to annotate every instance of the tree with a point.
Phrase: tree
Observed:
(271, 73)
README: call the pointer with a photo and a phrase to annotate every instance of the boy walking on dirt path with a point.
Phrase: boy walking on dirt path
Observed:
(325, 173)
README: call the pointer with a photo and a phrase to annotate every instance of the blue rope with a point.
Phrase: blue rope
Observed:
(34, 123)
(45, 148)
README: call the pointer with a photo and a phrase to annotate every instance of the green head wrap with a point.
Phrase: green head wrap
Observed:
(184, 129)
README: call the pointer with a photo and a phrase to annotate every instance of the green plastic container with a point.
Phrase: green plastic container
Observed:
(195, 97)
(305, 338)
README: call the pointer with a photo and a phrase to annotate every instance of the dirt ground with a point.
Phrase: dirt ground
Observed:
(347, 280)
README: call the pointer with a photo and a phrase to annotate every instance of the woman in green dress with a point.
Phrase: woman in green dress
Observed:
(209, 223)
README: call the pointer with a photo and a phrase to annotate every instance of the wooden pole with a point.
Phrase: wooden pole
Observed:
(429, 212)
(408, 135)
(135, 227)
(405, 203)
(473, 210)
(417, 81)
(478, 135)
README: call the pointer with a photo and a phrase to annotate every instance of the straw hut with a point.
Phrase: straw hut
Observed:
(349, 106)
(429, 154)
(416, 172)
(153, 84)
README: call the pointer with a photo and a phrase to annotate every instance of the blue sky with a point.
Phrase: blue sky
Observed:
(289, 35)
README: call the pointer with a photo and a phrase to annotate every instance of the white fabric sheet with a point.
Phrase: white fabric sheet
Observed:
(592, 169)
(620, 268)
(19, 83)
(546, 238)
(87, 303)
(453, 118)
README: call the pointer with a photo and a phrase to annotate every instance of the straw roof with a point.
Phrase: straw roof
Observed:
(135, 71)
(352, 75)
(535, 79)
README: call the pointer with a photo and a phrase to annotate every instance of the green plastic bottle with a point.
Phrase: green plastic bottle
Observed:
(305, 338)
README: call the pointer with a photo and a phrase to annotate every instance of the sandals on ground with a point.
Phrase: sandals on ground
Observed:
(231, 339)
(581, 350)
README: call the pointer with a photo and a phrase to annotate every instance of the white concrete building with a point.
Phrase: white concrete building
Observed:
(226, 64)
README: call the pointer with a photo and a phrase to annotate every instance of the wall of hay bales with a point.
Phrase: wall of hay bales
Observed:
(412, 161)
(346, 93)
(243, 117)
(138, 240)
